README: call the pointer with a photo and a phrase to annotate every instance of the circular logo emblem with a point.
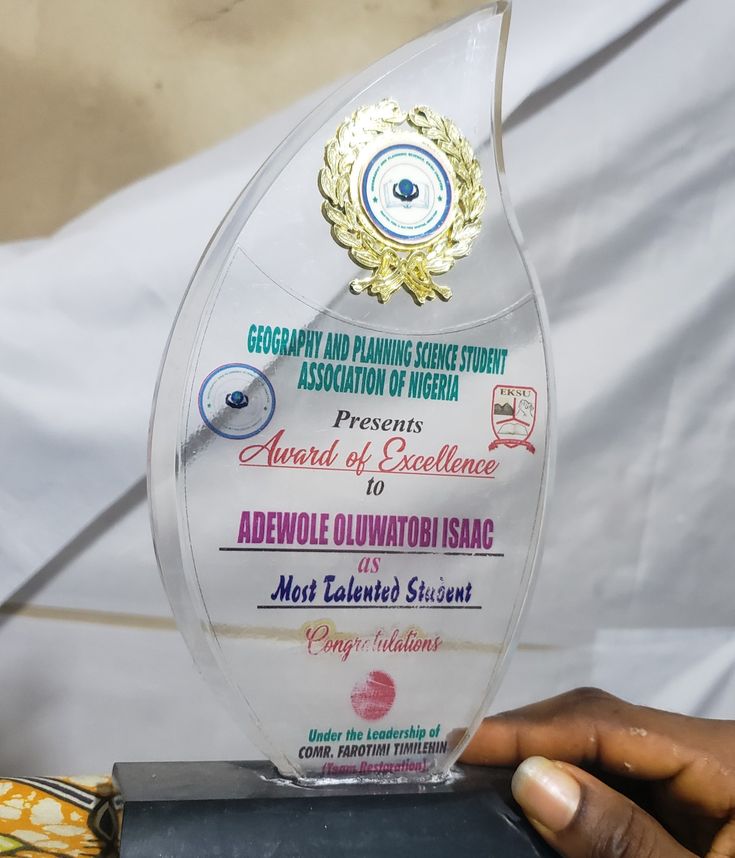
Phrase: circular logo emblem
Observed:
(373, 697)
(403, 193)
(406, 191)
(236, 401)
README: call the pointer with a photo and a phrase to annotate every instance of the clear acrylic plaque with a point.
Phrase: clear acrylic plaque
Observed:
(350, 446)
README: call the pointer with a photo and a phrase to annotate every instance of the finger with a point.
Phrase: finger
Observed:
(581, 817)
(591, 727)
(723, 846)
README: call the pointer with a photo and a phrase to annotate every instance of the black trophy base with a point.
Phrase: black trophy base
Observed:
(234, 810)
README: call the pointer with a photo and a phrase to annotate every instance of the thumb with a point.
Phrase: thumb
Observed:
(583, 818)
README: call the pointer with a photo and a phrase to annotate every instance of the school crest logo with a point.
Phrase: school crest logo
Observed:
(513, 416)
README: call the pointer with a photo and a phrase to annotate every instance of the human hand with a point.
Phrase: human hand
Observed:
(654, 784)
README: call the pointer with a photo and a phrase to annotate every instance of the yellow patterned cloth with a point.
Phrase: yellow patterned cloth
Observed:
(41, 817)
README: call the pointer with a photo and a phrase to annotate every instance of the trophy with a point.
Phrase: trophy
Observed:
(349, 458)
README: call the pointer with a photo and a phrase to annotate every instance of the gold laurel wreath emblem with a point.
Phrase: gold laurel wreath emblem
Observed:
(392, 268)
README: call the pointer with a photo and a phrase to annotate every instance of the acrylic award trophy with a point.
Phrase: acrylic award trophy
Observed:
(349, 460)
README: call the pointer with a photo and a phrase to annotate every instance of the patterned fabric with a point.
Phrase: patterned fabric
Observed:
(40, 817)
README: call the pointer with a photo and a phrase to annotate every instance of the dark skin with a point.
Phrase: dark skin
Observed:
(635, 781)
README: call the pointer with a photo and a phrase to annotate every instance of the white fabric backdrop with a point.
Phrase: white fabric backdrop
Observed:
(620, 149)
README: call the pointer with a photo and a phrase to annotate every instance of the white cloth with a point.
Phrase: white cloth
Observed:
(620, 147)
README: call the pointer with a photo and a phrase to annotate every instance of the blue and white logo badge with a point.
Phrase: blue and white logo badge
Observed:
(406, 191)
(236, 401)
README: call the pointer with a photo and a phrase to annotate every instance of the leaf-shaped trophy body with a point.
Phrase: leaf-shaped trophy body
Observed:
(350, 443)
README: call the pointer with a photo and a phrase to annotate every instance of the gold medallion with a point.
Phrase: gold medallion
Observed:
(403, 193)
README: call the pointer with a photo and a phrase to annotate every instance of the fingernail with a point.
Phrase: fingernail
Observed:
(546, 792)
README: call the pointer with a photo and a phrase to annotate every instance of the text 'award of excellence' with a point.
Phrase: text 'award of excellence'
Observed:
(349, 459)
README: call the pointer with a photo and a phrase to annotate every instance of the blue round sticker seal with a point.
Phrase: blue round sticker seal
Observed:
(236, 401)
